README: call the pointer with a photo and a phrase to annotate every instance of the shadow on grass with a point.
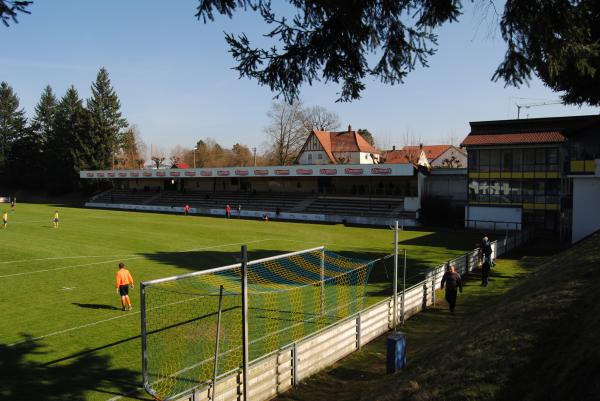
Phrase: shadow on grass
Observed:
(23, 379)
(95, 306)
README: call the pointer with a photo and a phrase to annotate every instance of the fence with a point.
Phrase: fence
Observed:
(280, 370)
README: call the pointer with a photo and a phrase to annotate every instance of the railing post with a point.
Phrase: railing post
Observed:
(395, 284)
(295, 365)
(404, 287)
(358, 330)
(245, 321)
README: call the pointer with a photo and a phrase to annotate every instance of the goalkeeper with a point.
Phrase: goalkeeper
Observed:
(124, 283)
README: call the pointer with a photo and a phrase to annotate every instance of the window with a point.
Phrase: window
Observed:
(483, 191)
(507, 160)
(540, 192)
(515, 191)
(528, 191)
(310, 156)
(366, 157)
(529, 160)
(494, 191)
(484, 161)
(517, 156)
(495, 160)
(473, 162)
(552, 158)
(473, 190)
(320, 156)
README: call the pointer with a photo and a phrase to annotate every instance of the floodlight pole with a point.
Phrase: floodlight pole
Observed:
(245, 321)
(216, 364)
(395, 284)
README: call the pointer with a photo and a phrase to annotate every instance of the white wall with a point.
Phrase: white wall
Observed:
(314, 157)
(586, 206)
(460, 156)
(490, 218)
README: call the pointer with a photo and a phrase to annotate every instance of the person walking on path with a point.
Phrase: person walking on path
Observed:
(486, 247)
(452, 282)
(485, 271)
(124, 283)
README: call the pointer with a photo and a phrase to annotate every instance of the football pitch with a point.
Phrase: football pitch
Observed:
(63, 334)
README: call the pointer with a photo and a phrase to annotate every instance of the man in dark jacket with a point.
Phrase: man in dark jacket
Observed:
(452, 281)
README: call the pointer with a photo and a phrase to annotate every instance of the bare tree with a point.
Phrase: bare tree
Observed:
(321, 119)
(132, 150)
(286, 132)
(158, 157)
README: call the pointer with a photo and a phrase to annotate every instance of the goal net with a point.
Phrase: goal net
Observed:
(289, 297)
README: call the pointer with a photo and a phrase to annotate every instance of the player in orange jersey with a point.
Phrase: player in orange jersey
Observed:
(124, 283)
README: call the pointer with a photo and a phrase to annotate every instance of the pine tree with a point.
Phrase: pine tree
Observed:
(71, 146)
(12, 124)
(45, 112)
(108, 123)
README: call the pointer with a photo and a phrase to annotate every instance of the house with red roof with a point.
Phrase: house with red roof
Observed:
(344, 147)
(438, 156)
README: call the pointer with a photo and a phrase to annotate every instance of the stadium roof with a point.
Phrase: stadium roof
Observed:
(528, 131)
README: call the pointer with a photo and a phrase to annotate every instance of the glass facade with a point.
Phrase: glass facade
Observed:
(527, 176)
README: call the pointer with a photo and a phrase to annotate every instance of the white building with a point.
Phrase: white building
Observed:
(586, 204)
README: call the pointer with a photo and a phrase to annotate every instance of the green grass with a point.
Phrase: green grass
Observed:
(531, 335)
(62, 334)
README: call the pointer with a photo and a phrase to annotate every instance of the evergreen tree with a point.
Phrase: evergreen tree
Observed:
(29, 159)
(12, 124)
(72, 145)
(45, 112)
(104, 107)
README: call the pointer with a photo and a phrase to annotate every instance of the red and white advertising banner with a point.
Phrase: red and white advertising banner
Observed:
(354, 171)
(381, 171)
(347, 170)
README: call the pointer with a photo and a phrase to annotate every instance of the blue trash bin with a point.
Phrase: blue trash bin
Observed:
(396, 352)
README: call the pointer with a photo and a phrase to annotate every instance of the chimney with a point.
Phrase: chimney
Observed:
(394, 147)
(349, 128)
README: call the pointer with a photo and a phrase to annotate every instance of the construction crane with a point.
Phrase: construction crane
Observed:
(529, 105)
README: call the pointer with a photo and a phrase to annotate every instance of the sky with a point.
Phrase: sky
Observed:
(174, 77)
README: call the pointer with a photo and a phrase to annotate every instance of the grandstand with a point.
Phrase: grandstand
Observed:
(356, 194)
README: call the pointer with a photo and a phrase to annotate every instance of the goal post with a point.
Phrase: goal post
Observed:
(186, 317)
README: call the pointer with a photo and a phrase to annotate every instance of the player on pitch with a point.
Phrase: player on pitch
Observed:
(124, 283)
(4, 219)
(55, 219)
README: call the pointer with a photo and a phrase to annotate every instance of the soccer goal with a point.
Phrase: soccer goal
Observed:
(200, 326)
